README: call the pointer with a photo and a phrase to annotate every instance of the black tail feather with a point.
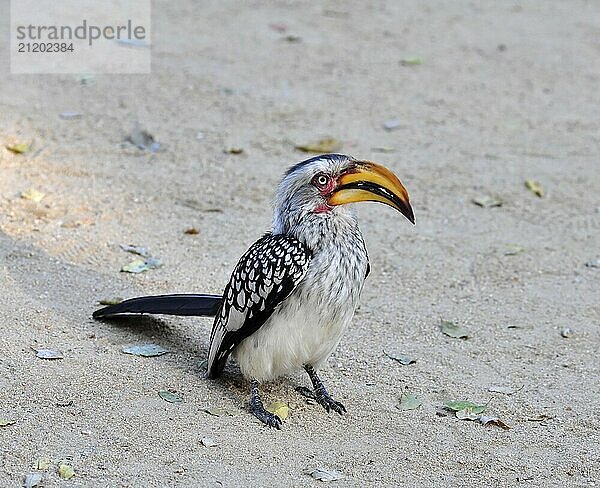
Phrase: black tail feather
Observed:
(180, 304)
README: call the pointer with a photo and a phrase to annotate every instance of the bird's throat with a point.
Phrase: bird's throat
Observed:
(323, 208)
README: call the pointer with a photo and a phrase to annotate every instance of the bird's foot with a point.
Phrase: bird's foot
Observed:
(324, 399)
(267, 418)
(320, 393)
(258, 410)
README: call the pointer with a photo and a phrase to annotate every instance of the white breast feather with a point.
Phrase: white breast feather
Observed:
(309, 324)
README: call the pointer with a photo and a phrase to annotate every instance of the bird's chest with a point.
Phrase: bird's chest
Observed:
(323, 305)
(307, 326)
(335, 279)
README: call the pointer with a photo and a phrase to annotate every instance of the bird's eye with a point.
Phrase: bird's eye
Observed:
(321, 180)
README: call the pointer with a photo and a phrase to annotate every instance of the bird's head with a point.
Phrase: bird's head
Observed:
(321, 187)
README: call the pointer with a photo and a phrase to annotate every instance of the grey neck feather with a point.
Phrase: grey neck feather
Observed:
(317, 230)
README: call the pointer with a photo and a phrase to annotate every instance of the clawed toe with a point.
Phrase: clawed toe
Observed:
(320, 393)
(338, 407)
(322, 399)
(269, 419)
(274, 421)
(258, 410)
(329, 404)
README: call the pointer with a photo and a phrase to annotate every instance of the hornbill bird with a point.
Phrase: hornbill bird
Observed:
(294, 292)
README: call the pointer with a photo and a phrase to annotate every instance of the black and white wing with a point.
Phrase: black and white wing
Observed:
(263, 278)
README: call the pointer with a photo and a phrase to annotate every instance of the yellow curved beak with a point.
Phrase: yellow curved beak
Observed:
(371, 182)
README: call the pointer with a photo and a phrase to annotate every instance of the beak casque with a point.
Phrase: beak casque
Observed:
(371, 182)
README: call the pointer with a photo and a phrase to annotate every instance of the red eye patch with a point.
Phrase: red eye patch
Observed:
(324, 183)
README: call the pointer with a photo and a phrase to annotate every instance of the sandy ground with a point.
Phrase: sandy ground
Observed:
(504, 93)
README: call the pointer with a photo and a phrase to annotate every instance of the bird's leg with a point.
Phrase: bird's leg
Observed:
(258, 410)
(321, 394)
